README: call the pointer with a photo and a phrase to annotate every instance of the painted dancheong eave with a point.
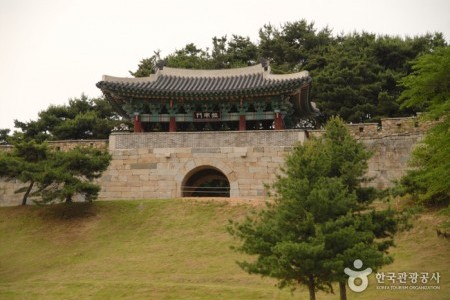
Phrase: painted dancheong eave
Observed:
(171, 87)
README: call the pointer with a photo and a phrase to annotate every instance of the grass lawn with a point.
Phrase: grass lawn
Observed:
(166, 249)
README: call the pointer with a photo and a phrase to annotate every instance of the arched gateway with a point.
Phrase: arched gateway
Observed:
(205, 181)
(204, 132)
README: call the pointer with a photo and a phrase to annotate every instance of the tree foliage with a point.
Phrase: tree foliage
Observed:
(71, 173)
(354, 75)
(295, 46)
(147, 66)
(4, 136)
(317, 224)
(82, 118)
(428, 88)
(26, 163)
(51, 174)
(190, 57)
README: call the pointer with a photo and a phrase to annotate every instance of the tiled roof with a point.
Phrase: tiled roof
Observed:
(204, 84)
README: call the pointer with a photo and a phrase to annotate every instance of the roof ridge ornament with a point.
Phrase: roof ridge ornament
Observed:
(160, 64)
(264, 63)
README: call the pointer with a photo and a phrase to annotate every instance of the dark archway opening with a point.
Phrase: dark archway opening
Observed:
(206, 182)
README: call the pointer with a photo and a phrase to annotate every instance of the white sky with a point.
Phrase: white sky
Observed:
(53, 50)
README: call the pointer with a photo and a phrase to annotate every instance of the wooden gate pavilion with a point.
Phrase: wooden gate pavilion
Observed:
(248, 98)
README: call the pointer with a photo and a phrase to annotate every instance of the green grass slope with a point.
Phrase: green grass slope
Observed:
(164, 249)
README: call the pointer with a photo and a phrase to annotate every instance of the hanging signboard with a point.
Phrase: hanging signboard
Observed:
(214, 115)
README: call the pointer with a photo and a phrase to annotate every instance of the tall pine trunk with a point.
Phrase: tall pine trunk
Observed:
(342, 290)
(25, 197)
(311, 288)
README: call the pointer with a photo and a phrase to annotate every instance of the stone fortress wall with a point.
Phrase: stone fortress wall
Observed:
(157, 165)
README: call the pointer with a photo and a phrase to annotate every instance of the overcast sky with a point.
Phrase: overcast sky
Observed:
(53, 50)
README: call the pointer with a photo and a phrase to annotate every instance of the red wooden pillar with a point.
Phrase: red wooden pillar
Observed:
(242, 124)
(278, 121)
(172, 121)
(137, 123)
(172, 125)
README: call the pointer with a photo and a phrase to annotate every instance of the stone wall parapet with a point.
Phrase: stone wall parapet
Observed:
(70, 144)
(391, 127)
(388, 127)
(213, 139)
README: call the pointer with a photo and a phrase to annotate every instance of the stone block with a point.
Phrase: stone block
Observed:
(116, 163)
(113, 172)
(226, 149)
(144, 151)
(135, 166)
(278, 159)
(244, 176)
(162, 172)
(144, 177)
(264, 160)
(261, 176)
(246, 181)
(209, 156)
(205, 150)
(148, 188)
(183, 155)
(148, 159)
(232, 176)
(240, 151)
(273, 165)
(258, 169)
(106, 178)
(140, 172)
(122, 178)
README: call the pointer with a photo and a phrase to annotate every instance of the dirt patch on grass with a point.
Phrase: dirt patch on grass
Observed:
(69, 221)
(255, 202)
(68, 211)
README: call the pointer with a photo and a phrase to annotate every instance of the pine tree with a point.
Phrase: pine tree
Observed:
(54, 175)
(428, 89)
(315, 227)
(71, 173)
(26, 163)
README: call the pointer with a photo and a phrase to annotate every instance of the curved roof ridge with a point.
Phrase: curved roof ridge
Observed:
(108, 78)
(287, 76)
(211, 72)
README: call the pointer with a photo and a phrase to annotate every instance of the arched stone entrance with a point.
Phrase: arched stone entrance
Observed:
(205, 181)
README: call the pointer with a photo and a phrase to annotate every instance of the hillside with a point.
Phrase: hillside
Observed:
(169, 249)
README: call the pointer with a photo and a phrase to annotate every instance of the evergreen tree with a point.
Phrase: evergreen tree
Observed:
(190, 57)
(82, 118)
(296, 46)
(54, 175)
(237, 52)
(354, 75)
(428, 89)
(26, 163)
(315, 226)
(348, 83)
(147, 66)
(71, 173)
(4, 136)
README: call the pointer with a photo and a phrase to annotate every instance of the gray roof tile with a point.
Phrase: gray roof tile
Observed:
(176, 83)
